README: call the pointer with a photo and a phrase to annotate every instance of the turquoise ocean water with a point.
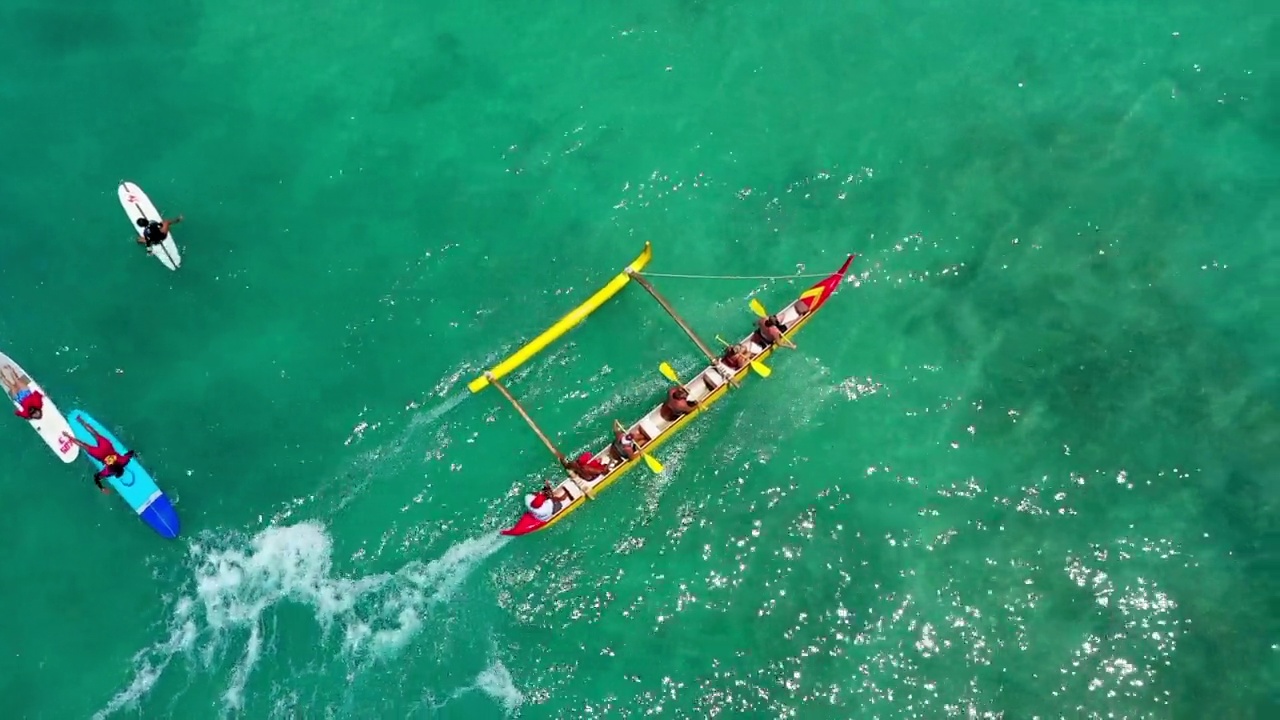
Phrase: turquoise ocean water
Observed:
(1024, 465)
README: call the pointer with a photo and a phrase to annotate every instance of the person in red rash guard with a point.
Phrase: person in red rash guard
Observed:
(104, 452)
(586, 467)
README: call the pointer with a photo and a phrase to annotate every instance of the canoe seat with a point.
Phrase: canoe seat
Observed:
(725, 373)
(715, 377)
(788, 315)
(653, 424)
(697, 388)
(572, 488)
(704, 384)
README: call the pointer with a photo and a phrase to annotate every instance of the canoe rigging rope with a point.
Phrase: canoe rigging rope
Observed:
(734, 277)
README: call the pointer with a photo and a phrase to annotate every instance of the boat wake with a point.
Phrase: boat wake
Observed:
(382, 458)
(419, 419)
(223, 611)
(433, 415)
(494, 681)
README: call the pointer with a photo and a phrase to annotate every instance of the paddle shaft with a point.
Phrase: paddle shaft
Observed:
(520, 409)
(674, 315)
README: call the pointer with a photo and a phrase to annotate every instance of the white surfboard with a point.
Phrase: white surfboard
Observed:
(138, 205)
(51, 424)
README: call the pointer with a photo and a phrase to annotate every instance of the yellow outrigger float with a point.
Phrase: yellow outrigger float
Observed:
(564, 325)
(654, 428)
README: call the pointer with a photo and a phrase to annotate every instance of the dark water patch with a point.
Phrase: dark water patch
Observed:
(440, 68)
(434, 72)
(59, 31)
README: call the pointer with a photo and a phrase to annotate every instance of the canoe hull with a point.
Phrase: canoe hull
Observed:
(815, 297)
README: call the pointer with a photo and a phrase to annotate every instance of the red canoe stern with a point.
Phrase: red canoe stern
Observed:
(525, 525)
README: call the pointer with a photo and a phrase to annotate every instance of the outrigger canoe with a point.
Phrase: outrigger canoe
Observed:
(706, 387)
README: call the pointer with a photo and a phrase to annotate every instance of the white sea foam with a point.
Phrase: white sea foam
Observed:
(151, 662)
(237, 581)
(494, 681)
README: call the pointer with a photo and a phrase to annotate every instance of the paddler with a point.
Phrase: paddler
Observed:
(546, 503)
(736, 357)
(104, 452)
(586, 467)
(771, 330)
(30, 402)
(154, 233)
(627, 445)
(677, 404)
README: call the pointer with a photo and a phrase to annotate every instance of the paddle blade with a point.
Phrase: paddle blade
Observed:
(761, 369)
(668, 373)
(653, 463)
(757, 308)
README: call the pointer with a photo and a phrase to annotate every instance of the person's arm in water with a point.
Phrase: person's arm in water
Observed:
(165, 224)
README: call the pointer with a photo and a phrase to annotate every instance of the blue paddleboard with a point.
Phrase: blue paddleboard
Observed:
(135, 484)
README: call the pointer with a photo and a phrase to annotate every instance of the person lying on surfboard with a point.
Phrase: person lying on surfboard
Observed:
(30, 402)
(154, 233)
(104, 452)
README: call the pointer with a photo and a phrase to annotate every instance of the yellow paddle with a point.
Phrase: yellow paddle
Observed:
(760, 368)
(652, 462)
(649, 460)
(668, 373)
(758, 309)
